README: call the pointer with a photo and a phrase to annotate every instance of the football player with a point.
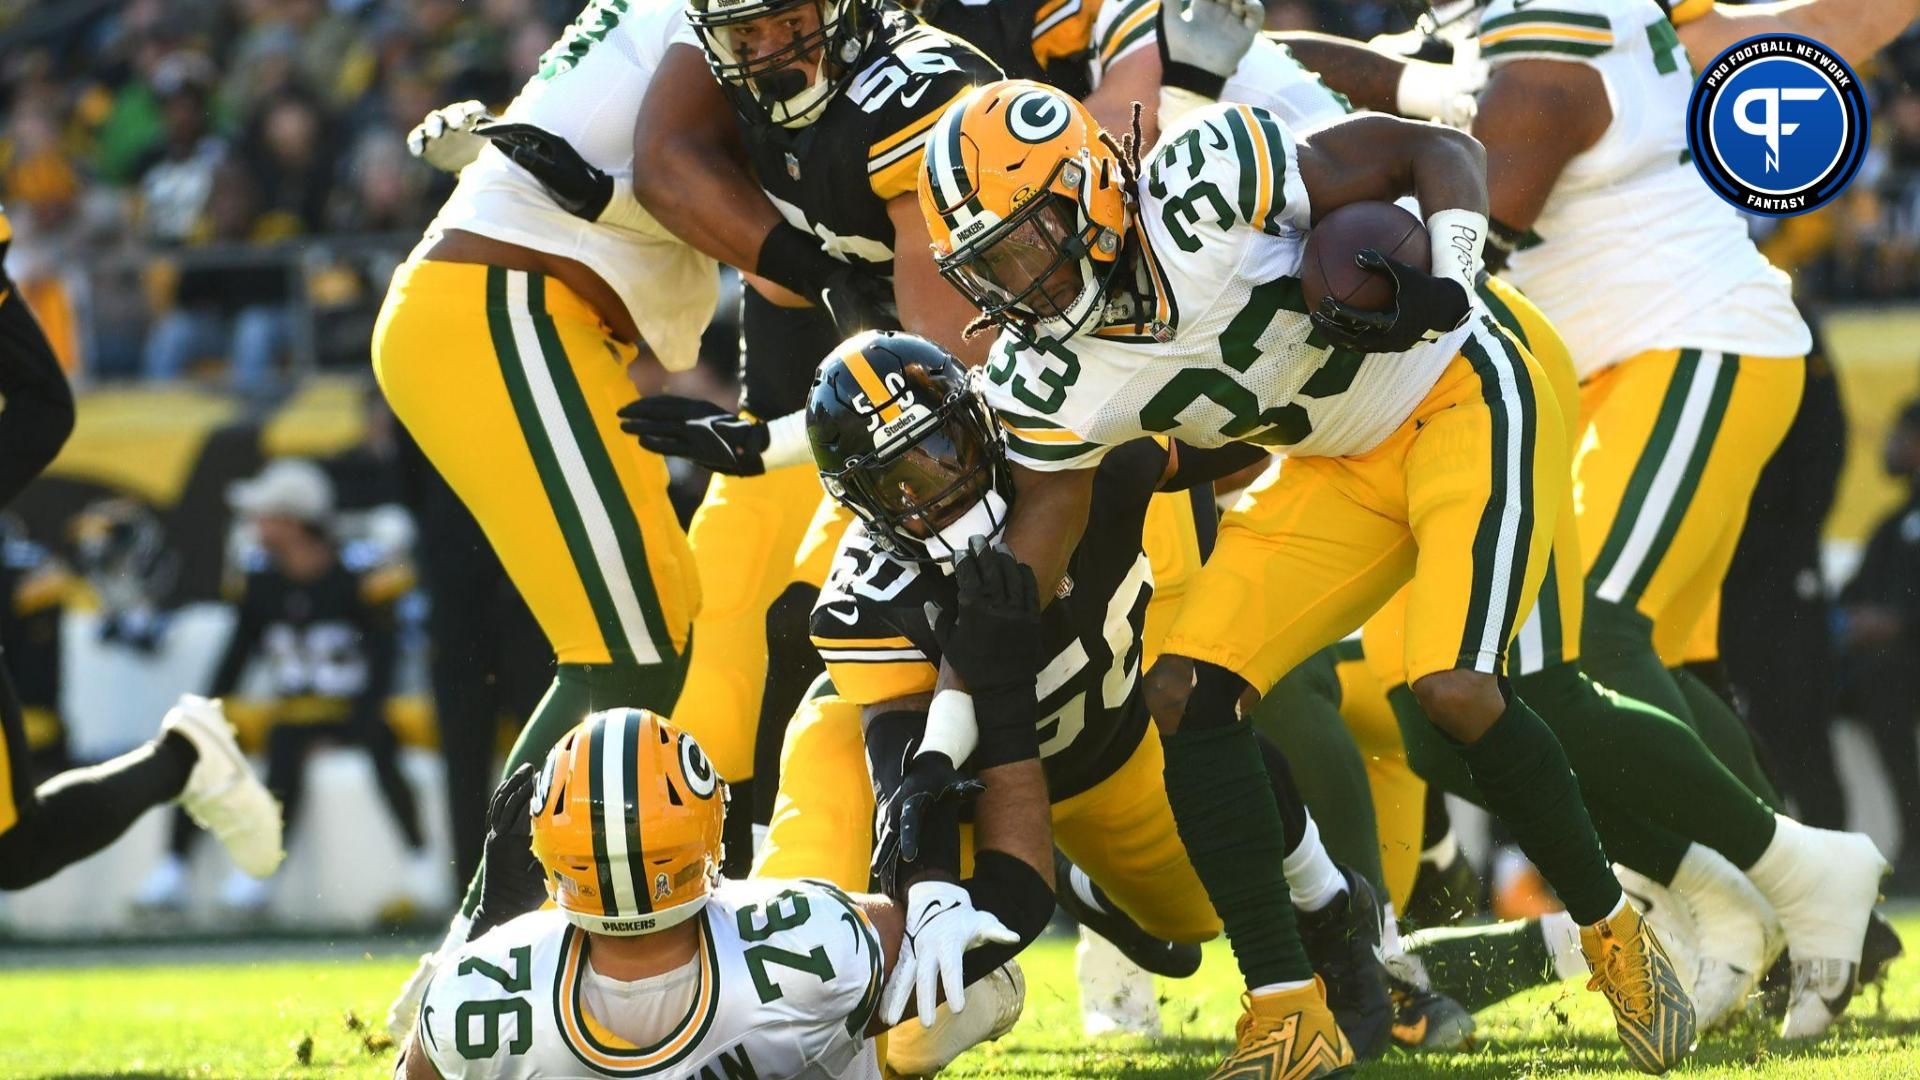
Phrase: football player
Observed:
(1380, 413)
(905, 442)
(503, 346)
(193, 760)
(648, 963)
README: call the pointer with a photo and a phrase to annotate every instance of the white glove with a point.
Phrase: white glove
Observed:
(942, 924)
(1208, 35)
(1443, 92)
(445, 139)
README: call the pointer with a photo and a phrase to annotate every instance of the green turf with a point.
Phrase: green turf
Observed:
(249, 1020)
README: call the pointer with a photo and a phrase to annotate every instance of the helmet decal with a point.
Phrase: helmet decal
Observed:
(701, 779)
(1037, 116)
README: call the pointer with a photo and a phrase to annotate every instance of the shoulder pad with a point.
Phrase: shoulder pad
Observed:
(1550, 29)
(1121, 28)
(905, 87)
(1222, 166)
(813, 919)
(868, 654)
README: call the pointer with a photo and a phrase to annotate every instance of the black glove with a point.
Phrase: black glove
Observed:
(917, 828)
(700, 431)
(511, 880)
(858, 300)
(1424, 307)
(578, 187)
(993, 641)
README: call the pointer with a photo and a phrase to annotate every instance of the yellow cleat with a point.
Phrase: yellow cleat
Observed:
(1651, 1010)
(1289, 1035)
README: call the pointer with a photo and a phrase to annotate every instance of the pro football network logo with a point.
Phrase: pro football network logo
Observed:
(1777, 125)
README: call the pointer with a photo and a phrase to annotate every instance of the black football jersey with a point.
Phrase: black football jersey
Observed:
(327, 638)
(34, 590)
(834, 178)
(870, 626)
(1064, 43)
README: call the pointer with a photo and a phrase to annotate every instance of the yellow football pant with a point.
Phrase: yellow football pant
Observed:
(751, 537)
(511, 385)
(1120, 831)
(1317, 545)
(1674, 444)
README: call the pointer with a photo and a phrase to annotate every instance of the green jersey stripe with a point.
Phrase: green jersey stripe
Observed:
(1249, 169)
(1520, 46)
(1580, 19)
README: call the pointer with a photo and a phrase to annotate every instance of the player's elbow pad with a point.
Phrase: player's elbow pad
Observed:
(1012, 892)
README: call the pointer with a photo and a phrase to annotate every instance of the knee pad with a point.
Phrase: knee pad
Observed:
(993, 1007)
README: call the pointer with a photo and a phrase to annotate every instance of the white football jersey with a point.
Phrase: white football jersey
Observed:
(789, 975)
(588, 92)
(1633, 251)
(1229, 354)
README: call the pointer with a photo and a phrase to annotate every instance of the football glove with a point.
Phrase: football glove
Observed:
(992, 641)
(942, 924)
(918, 829)
(699, 431)
(446, 139)
(575, 185)
(511, 880)
(858, 300)
(1202, 41)
(1424, 307)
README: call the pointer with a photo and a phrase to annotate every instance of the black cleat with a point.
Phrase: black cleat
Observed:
(1426, 1019)
(1443, 895)
(1086, 904)
(1343, 943)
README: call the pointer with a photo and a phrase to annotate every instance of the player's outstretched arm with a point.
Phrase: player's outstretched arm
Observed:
(1856, 29)
(1382, 82)
(38, 412)
(1534, 117)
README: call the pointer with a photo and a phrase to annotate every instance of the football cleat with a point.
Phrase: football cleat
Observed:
(1287, 1035)
(222, 795)
(1343, 943)
(1116, 995)
(1822, 885)
(1426, 1019)
(1086, 904)
(1651, 1011)
(1444, 895)
(1820, 993)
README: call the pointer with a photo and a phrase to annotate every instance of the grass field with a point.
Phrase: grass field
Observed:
(253, 1019)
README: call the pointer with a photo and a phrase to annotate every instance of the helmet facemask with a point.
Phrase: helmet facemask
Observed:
(1045, 269)
(770, 88)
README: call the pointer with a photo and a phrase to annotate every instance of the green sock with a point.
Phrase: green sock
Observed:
(1616, 649)
(1231, 827)
(1301, 714)
(1523, 772)
(1633, 841)
(1479, 966)
(1726, 735)
(576, 691)
(1431, 755)
(1642, 761)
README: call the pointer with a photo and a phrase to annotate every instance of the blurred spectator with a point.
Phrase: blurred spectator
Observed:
(34, 592)
(1878, 627)
(320, 617)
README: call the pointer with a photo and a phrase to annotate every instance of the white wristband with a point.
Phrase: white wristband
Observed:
(951, 729)
(787, 442)
(1459, 237)
(1176, 103)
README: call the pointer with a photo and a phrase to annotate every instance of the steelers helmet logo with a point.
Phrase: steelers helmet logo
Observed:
(1777, 125)
(1036, 116)
(701, 778)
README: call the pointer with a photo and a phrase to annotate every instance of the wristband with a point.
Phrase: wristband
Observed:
(1426, 91)
(792, 259)
(1194, 80)
(787, 442)
(951, 729)
(1009, 729)
(1176, 103)
(1459, 237)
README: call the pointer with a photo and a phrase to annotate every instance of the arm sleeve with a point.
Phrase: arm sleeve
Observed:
(1569, 30)
(1195, 466)
(38, 415)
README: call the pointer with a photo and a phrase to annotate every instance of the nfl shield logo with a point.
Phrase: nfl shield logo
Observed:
(793, 165)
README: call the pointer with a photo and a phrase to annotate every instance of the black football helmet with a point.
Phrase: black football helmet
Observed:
(768, 89)
(903, 440)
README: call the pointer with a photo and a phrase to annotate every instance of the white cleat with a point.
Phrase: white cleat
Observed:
(1823, 885)
(1116, 995)
(993, 1007)
(406, 1008)
(1736, 933)
(223, 796)
(1821, 991)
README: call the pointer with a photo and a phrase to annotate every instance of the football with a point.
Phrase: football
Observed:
(1329, 269)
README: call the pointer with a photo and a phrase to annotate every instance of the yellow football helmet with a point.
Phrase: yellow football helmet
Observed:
(626, 823)
(1027, 206)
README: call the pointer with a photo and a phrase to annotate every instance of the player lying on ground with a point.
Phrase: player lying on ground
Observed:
(649, 961)
(193, 760)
